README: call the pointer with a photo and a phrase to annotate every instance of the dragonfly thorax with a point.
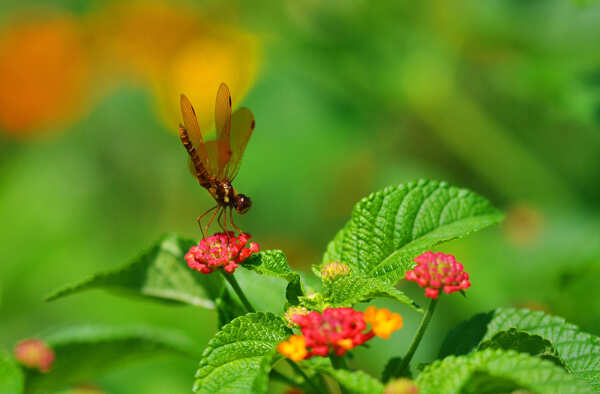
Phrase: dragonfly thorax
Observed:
(225, 195)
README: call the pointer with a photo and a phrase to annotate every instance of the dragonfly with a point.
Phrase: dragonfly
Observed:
(215, 163)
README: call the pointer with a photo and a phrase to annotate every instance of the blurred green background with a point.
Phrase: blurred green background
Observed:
(502, 97)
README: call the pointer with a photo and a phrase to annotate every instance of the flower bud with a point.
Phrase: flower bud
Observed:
(401, 386)
(293, 311)
(334, 270)
(34, 353)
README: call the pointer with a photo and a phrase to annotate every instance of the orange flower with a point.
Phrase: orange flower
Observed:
(294, 348)
(345, 344)
(44, 74)
(382, 321)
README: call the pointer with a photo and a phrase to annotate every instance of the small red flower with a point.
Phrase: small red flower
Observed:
(220, 250)
(337, 330)
(436, 271)
(34, 353)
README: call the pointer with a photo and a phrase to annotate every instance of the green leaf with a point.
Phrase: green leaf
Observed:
(160, 273)
(392, 226)
(265, 293)
(466, 336)
(315, 302)
(84, 352)
(356, 381)
(274, 263)
(523, 342)
(238, 359)
(578, 351)
(495, 369)
(11, 375)
(352, 381)
(481, 382)
(351, 289)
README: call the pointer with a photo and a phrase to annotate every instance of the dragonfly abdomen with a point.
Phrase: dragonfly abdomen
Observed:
(201, 173)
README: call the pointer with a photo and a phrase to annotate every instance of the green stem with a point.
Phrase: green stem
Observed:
(300, 372)
(417, 338)
(339, 362)
(238, 290)
(282, 378)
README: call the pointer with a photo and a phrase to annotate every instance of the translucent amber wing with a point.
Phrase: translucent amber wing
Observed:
(190, 122)
(212, 154)
(242, 126)
(223, 126)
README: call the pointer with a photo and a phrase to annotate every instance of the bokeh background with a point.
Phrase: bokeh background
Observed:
(502, 97)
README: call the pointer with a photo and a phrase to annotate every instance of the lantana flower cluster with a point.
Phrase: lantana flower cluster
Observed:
(436, 271)
(222, 250)
(337, 330)
(35, 353)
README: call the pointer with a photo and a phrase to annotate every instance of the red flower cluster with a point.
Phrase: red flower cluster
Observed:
(337, 330)
(34, 353)
(436, 271)
(220, 250)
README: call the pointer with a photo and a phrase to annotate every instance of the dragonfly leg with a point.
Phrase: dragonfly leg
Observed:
(212, 217)
(219, 219)
(224, 222)
(232, 223)
(199, 220)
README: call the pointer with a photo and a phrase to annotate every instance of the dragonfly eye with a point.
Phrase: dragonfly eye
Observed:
(242, 204)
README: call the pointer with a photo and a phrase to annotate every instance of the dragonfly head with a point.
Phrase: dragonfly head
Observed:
(242, 203)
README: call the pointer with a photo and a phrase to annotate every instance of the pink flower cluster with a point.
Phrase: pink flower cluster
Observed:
(336, 329)
(220, 250)
(34, 353)
(436, 271)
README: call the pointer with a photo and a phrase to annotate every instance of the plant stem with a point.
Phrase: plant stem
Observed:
(300, 372)
(238, 290)
(282, 378)
(417, 338)
(339, 362)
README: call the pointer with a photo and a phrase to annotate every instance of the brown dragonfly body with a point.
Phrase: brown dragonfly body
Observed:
(216, 163)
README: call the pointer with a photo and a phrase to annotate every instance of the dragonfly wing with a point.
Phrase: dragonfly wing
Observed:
(212, 155)
(193, 129)
(223, 126)
(242, 126)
